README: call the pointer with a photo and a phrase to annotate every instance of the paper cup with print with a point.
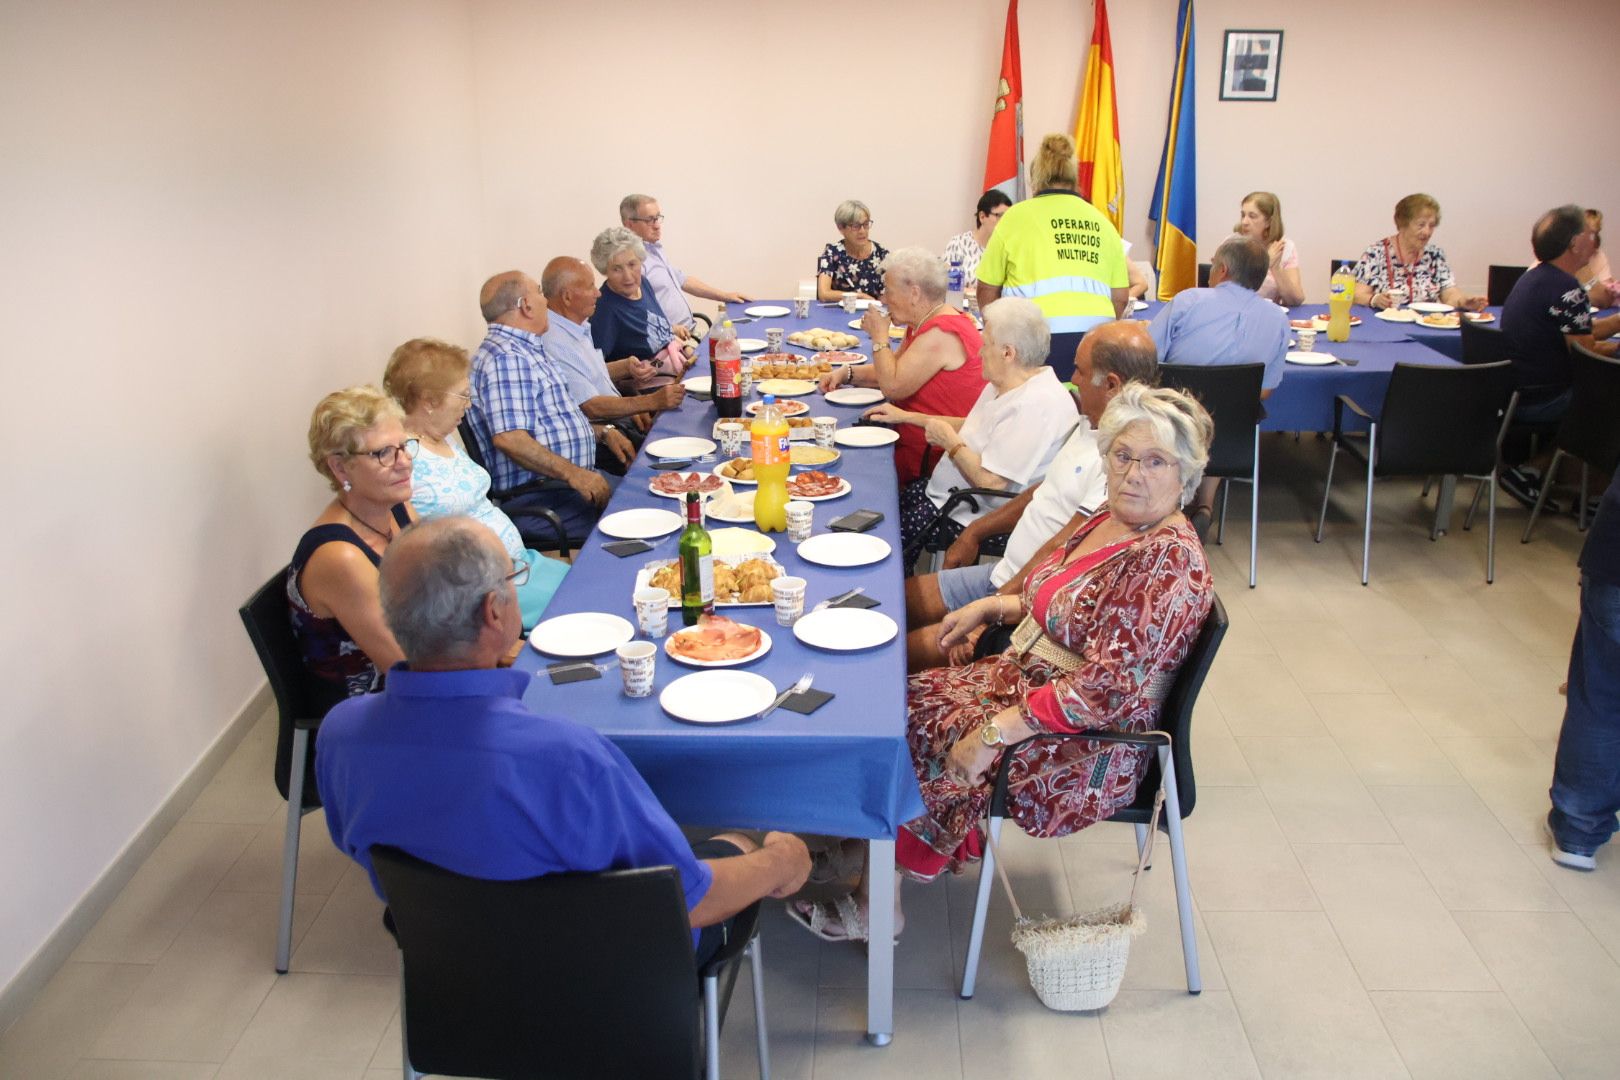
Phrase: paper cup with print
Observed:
(652, 611)
(638, 660)
(825, 427)
(773, 338)
(801, 308)
(731, 438)
(850, 300)
(788, 593)
(1307, 339)
(800, 517)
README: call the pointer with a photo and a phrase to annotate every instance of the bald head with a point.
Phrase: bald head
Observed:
(502, 293)
(569, 288)
(436, 582)
(1109, 356)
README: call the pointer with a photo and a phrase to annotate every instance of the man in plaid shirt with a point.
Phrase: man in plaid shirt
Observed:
(526, 423)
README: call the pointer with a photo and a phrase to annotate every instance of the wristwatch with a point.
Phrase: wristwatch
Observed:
(990, 735)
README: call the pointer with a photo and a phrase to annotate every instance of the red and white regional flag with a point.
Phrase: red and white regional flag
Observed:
(1004, 164)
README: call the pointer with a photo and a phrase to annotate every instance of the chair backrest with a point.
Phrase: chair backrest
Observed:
(1334, 264)
(1203, 275)
(1482, 344)
(470, 444)
(1441, 419)
(1175, 716)
(269, 627)
(1231, 393)
(1499, 281)
(1591, 429)
(558, 976)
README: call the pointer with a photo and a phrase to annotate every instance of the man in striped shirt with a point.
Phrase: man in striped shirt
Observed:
(527, 425)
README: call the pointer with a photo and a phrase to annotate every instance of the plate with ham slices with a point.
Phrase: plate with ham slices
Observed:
(675, 485)
(813, 485)
(717, 641)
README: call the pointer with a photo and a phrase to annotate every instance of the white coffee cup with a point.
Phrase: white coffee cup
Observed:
(773, 338)
(800, 519)
(732, 435)
(1307, 339)
(826, 427)
(850, 300)
(638, 660)
(652, 611)
(801, 307)
(788, 593)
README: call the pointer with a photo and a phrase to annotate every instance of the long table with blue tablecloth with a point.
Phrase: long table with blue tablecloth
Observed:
(843, 770)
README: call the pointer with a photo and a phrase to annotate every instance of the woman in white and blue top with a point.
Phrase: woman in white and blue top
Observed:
(430, 381)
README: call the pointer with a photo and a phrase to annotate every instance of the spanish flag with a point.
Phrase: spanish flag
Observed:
(1175, 192)
(1004, 164)
(1096, 135)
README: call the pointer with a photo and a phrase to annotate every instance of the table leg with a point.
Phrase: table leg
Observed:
(1444, 496)
(880, 949)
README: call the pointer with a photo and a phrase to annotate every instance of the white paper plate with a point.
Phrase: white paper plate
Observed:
(740, 543)
(1431, 326)
(1311, 359)
(680, 446)
(717, 697)
(584, 633)
(1401, 315)
(1479, 316)
(866, 436)
(640, 524)
(1429, 307)
(795, 453)
(843, 489)
(785, 387)
(764, 647)
(767, 311)
(845, 629)
(895, 332)
(737, 508)
(789, 408)
(703, 384)
(681, 495)
(752, 344)
(844, 549)
(855, 395)
(1139, 305)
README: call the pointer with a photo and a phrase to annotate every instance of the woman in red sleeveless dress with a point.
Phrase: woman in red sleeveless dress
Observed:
(935, 370)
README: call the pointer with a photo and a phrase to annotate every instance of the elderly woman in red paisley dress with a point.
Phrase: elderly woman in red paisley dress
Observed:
(1104, 622)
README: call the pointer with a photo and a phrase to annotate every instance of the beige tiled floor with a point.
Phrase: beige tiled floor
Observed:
(1373, 893)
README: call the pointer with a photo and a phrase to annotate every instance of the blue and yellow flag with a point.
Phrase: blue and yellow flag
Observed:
(1175, 192)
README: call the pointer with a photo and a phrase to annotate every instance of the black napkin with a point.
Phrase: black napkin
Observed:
(859, 600)
(807, 702)
(672, 465)
(576, 672)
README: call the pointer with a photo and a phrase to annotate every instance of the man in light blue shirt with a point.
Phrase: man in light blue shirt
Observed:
(571, 293)
(642, 215)
(1227, 323)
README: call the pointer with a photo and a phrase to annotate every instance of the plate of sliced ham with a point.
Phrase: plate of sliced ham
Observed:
(717, 641)
(675, 485)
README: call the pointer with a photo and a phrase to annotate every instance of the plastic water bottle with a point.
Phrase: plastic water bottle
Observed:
(953, 285)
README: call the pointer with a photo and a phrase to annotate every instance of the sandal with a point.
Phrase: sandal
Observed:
(836, 865)
(837, 920)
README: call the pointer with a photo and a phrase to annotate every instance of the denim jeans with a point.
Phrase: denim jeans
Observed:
(1586, 775)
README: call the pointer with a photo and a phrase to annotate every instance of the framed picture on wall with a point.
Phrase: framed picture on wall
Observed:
(1249, 65)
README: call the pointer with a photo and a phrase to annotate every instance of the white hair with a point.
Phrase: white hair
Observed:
(1178, 422)
(920, 267)
(608, 244)
(849, 212)
(1018, 322)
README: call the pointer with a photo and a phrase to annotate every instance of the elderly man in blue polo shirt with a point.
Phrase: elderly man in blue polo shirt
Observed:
(571, 294)
(449, 765)
(642, 215)
(526, 424)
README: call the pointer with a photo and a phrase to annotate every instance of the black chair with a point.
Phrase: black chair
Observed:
(1499, 281)
(1334, 264)
(1436, 421)
(556, 538)
(301, 703)
(1589, 432)
(1231, 394)
(1170, 768)
(566, 975)
(1203, 275)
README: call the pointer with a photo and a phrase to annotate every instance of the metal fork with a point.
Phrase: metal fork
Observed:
(603, 666)
(839, 599)
(797, 688)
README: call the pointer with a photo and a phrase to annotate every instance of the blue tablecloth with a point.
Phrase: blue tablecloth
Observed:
(843, 770)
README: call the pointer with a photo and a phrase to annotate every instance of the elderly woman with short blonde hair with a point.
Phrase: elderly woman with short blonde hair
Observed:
(429, 380)
(629, 321)
(935, 371)
(1081, 661)
(854, 264)
(357, 441)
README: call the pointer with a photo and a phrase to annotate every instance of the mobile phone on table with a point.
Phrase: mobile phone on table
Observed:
(859, 521)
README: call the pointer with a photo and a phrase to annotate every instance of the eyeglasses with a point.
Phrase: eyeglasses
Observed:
(520, 572)
(386, 456)
(867, 224)
(467, 397)
(654, 220)
(1153, 465)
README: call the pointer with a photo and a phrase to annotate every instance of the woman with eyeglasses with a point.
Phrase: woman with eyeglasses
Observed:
(854, 264)
(968, 248)
(429, 381)
(1104, 621)
(357, 441)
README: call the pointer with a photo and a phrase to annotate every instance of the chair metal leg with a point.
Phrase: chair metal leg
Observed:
(289, 848)
(1541, 497)
(756, 968)
(1178, 865)
(1327, 489)
(1428, 482)
(981, 905)
(711, 1027)
(1141, 838)
(1473, 506)
(1366, 528)
(1254, 513)
(1490, 533)
(1220, 528)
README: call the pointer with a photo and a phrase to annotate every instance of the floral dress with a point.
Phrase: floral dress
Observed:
(850, 274)
(1131, 611)
(1381, 269)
